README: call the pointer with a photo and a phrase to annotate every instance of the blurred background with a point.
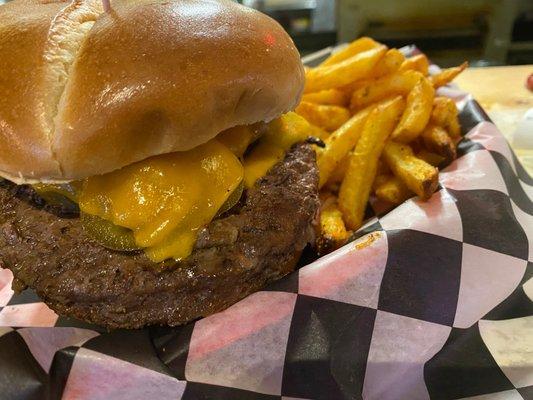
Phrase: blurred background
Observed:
(485, 32)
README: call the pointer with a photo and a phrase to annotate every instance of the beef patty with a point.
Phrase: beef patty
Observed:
(233, 257)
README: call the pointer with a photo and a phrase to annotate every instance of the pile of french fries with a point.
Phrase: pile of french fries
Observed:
(385, 132)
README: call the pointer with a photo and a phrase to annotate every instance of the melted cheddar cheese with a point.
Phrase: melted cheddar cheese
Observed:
(279, 137)
(166, 199)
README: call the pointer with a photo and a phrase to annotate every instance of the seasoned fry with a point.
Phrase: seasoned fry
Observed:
(430, 158)
(418, 63)
(350, 88)
(325, 117)
(417, 112)
(347, 71)
(354, 48)
(381, 110)
(437, 140)
(339, 144)
(447, 75)
(393, 190)
(445, 114)
(329, 97)
(333, 233)
(453, 127)
(390, 63)
(338, 173)
(417, 174)
(442, 107)
(357, 183)
(400, 83)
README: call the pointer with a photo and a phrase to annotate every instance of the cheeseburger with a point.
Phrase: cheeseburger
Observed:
(152, 172)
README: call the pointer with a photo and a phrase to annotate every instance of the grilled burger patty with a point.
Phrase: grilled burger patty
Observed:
(233, 257)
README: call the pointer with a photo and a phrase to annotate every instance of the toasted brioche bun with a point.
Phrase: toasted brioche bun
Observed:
(86, 92)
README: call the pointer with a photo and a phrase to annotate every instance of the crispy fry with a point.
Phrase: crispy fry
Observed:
(354, 48)
(400, 83)
(417, 175)
(331, 97)
(445, 114)
(352, 87)
(357, 183)
(393, 190)
(390, 63)
(325, 117)
(338, 173)
(347, 71)
(442, 107)
(430, 158)
(333, 233)
(417, 112)
(437, 140)
(447, 75)
(418, 63)
(340, 143)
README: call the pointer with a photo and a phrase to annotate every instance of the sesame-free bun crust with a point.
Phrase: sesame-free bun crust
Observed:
(91, 92)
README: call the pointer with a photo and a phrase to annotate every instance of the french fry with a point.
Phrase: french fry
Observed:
(347, 71)
(416, 174)
(338, 173)
(437, 140)
(325, 117)
(328, 97)
(354, 48)
(418, 63)
(429, 157)
(400, 83)
(390, 63)
(350, 88)
(447, 75)
(333, 233)
(393, 190)
(339, 144)
(445, 114)
(357, 183)
(417, 112)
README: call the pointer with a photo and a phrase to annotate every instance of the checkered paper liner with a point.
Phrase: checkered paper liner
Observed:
(432, 300)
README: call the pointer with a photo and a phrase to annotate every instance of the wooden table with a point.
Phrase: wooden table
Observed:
(503, 94)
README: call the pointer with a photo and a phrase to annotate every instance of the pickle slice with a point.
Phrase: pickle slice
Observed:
(233, 199)
(56, 194)
(108, 234)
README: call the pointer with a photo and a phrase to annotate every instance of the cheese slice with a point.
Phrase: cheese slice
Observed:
(279, 137)
(165, 199)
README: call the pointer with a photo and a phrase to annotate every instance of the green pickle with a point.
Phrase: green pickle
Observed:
(105, 232)
(108, 234)
(60, 195)
(233, 199)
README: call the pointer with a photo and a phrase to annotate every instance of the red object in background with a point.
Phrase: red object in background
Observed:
(529, 82)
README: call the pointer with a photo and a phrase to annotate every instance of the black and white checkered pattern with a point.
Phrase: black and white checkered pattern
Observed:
(431, 300)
